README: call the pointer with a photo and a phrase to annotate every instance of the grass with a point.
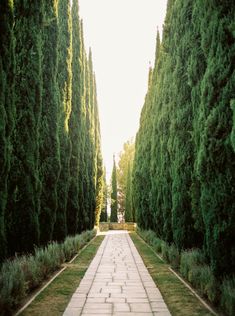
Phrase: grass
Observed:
(54, 299)
(179, 299)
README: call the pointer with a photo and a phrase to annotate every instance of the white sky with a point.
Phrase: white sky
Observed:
(122, 36)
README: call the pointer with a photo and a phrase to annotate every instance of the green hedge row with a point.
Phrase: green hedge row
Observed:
(193, 267)
(18, 277)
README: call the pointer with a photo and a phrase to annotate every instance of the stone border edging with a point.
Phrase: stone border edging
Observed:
(51, 280)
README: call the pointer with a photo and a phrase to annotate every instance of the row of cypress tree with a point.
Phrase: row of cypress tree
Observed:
(184, 166)
(51, 170)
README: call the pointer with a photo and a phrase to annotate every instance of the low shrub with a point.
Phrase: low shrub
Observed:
(21, 275)
(173, 256)
(157, 245)
(32, 272)
(202, 278)
(12, 284)
(68, 248)
(165, 251)
(228, 296)
(151, 238)
(189, 259)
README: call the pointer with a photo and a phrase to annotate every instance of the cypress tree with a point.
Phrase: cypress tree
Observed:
(98, 162)
(104, 206)
(214, 165)
(125, 159)
(141, 168)
(114, 197)
(7, 111)
(64, 78)
(24, 185)
(49, 142)
(128, 198)
(180, 144)
(73, 206)
(91, 142)
(161, 186)
(233, 130)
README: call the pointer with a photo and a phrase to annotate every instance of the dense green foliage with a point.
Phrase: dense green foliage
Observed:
(7, 110)
(114, 195)
(24, 183)
(184, 166)
(64, 79)
(129, 212)
(124, 176)
(51, 169)
(49, 140)
(104, 206)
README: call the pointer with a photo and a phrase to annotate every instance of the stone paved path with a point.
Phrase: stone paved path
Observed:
(117, 283)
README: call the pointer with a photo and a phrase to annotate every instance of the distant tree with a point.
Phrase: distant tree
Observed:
(104, 207)
(114, 197)
(129, 212)
(126, 157)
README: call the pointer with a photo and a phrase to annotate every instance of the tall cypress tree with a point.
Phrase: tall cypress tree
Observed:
(128, 199)
(141, 168)
(24, 185)
(73, 206)
(64, 78)
(90, 129)
(99, 172)
(233, 130)
(7, 110)
(49, 142)
(104, 207)
(215, 165)
(114, 197)
(181, 127)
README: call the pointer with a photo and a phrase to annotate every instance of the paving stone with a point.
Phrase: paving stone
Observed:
(121, 307)
(95, 300)
(132, 314)
(105, 295)
(76, 303)
(141, 307)
(98, 306)
(158, 306)
(72, 311)
(96, 312)
(111, 290)
(162, 313)
(137, 300)
(116, 300)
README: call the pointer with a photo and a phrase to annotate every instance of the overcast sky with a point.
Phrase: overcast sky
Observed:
(122, 36)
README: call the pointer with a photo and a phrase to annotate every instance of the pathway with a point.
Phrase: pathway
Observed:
(117, 283)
